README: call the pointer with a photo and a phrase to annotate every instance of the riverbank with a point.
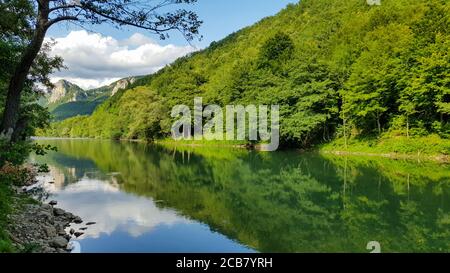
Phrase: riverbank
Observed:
(28, 225)
(429, 148)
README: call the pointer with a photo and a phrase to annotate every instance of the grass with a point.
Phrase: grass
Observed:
(216, 143)
(5, 209)
(431, 146)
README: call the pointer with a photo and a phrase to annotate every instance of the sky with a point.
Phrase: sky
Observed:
(103, 54)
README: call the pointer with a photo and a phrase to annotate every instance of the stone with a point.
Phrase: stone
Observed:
(78, 234)
(72, 231)
(50, 231)
(53, 203)
(69, 215)
(47, 208)
(61, 250)
(58, 212)
(59, 227)
(45, 215)
(77, 220)
(47, 249)
(83, 228)
(90, 223)
(59, 242)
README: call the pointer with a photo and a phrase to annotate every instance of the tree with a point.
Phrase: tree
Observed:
(46, 13)
(372, 88)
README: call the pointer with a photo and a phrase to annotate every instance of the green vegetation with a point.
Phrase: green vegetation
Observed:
(75, 108)
(427, 147)
(337, 69)
(5, 209)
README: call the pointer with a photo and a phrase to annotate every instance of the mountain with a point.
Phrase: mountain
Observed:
(65, 91)
(336, 68)
(68, 100)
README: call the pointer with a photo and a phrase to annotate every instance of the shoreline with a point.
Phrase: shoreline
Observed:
(36, 226)
(40, 228)
(393, 156)
(439, 158)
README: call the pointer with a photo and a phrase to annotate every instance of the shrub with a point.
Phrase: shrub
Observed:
(17, 175)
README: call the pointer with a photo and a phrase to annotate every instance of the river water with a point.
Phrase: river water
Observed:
(149, 198)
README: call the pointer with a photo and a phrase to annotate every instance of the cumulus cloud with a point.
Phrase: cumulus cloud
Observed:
(94, 60)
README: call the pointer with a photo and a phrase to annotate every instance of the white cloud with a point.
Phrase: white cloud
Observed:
(111, 209)
(94, 60)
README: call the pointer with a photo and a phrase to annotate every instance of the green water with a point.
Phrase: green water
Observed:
(149, 198)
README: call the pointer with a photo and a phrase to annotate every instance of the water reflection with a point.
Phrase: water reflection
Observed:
(154, 199)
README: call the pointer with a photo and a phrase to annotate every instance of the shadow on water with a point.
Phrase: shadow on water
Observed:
(269, 202)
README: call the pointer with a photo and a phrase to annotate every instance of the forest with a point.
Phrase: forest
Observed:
(338, 70)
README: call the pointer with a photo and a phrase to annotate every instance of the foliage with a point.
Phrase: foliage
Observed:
(425, 146)
(5, 209)
(17, 175)
(332, 66)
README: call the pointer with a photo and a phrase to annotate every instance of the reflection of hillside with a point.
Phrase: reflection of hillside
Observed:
(285, 201)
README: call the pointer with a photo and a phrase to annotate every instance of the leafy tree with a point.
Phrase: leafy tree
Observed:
(38, 16)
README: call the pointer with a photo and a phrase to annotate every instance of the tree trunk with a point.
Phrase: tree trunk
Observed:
(17, 81)
(407, 126)
(19, 130)
(378, 124)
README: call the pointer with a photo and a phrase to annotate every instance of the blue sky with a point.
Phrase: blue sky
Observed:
(107, 54)
(220, 18)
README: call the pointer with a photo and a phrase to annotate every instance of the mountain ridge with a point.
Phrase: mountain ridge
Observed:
(68, 100)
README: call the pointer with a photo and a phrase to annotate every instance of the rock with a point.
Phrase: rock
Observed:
(47, 249)
(77, 220)
(47, 208)
(78, 234)
(53, 203)
(83, 228)
(50, 231)
(72, 231)
(58, 212)
(59, 227)
(90, 223)
(67, 237)
(61, 251)
(59, 242)
(45, 215)
(69, 215)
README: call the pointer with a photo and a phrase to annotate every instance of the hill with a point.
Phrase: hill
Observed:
(336, 68)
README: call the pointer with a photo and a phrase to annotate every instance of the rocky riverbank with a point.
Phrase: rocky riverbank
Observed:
(42, 228)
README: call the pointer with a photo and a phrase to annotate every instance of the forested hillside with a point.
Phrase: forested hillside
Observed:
(336, 68)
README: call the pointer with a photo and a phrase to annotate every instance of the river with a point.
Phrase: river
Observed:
(149, 198)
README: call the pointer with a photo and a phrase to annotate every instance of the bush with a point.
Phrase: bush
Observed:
(15, 153)
(5, 209)
(17, 175)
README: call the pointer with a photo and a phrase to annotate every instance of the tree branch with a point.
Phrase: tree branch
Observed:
(59, 19)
